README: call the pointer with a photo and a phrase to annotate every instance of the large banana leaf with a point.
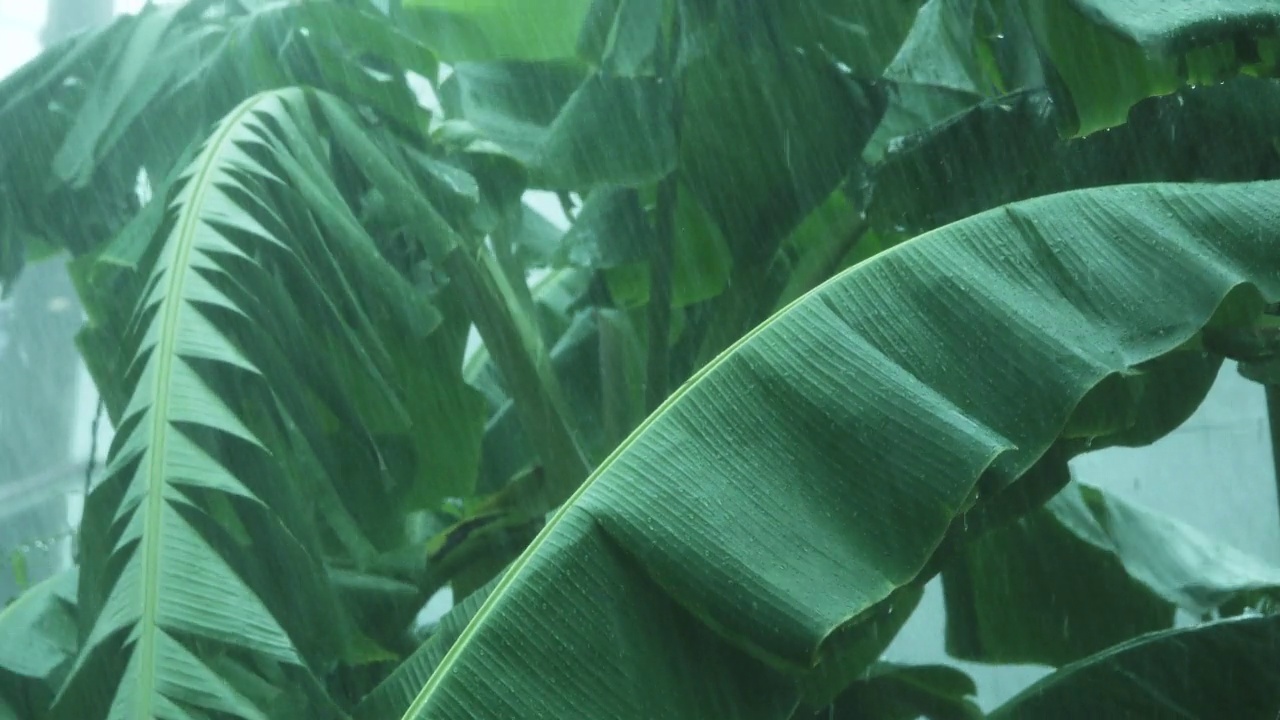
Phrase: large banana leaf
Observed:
(181, 611)
(809, 475)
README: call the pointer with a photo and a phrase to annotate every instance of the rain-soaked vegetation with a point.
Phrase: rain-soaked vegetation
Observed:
(673, 345)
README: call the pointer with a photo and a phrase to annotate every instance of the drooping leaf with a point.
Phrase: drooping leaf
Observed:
(938, 72)
(572, 130)
(38, 629)
(222, 493)
(862, 36)
(796, 158)
(906, 692)
(89, 103)
(1220, 669)
(1179, 564)
(1160, 46)
(962, 166)
(837, 411)
(163, 578)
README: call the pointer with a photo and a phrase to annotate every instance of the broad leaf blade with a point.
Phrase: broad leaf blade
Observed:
(848, 410)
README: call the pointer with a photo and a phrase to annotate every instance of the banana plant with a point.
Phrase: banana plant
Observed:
(833, 305)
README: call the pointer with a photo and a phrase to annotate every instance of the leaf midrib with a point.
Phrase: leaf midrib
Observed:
(166, 349)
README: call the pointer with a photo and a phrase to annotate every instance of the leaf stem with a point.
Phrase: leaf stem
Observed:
(662, 252)
(661, 265)
(524, 364)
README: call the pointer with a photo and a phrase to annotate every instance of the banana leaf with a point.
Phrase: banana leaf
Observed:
(746, 532)
(1229, 668)
(1108, 55)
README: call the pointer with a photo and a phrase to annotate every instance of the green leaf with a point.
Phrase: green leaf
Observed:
(856, 660)
(396, 692)
(1161, 47)
(961, 167)
(511, 104)
(820, 245)
(360, 56)
(139, 71)
(201, 564)
(1179, 564)
(831, 415)
(85, 107)
(796, 157)
(610, 230)
(1220, 669)
(507, 451)
(499, 29)
(862, 36)
(937, 72)
(39, 628)
(702, 261)
(612, 130)
(613, 232)
(574, 358)
(636, 38)
(906, 692)
(1034, 592)
(1085, 572)
(571, 130)
(537, 240)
